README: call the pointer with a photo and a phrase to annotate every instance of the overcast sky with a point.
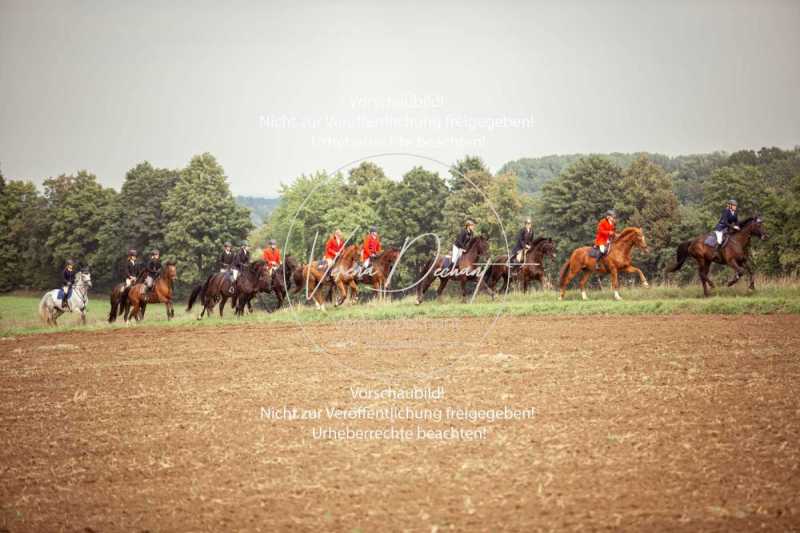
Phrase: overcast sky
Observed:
(276, 89)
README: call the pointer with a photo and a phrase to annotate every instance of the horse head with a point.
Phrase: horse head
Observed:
(170, 270)
(548, 248)
(480, 244)
(635, 236)
(85, 278)
(756, 226)
(388, 258)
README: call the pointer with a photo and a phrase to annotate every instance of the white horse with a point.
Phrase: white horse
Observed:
(50, 305)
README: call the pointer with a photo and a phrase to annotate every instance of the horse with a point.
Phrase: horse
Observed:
(313, 277)
(50, 304)
(161, 292)
(733, 254)
(118, 300)
(377, 273)
(282, 279)
(218, 287)
(467, 268)
(617, 260)
(253, 279)
(531, 268)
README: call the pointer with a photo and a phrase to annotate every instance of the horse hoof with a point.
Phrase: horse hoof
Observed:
(646, 285)
(584, 296)
(617, 296)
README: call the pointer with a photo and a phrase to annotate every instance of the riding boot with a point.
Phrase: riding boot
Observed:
(64, 303)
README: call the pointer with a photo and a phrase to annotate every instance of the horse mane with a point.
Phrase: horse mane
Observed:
(256, 265)
(747, 222)
(538, 240)
(627, 231)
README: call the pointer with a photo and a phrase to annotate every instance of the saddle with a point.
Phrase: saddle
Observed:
(447, 262)
(711, 240)
(596, 253)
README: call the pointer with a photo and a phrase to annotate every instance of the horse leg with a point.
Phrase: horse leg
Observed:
(750, 274)
(633, 270)
(584, 279)
(442, 284)
(738, 271)
(615, 282)
(571, 273)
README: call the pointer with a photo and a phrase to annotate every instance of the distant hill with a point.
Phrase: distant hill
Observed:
(259, 207)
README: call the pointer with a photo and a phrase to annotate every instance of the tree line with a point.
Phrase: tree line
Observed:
(187, 213)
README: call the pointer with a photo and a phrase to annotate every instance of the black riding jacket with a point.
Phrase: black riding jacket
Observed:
(242, 259)
(727, 220)
(524, 238)
(153, 267)
(69, 276)
(464, 236)
(226, 259)
(132, 268)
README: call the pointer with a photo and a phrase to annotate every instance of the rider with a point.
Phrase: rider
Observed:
(333, 247)
(272, 255)
(152, 269)
(226, 259)
(462, 241)
(241, 260)
(372, 246)
(728, 220)
(524, 242)
(606, 229)
(132, 268)
(69, 281)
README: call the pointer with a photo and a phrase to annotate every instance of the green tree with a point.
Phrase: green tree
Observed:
(201, 214)
(24, 261)
(137, 219)
(573, 203)
(648, 201)
(77, 209)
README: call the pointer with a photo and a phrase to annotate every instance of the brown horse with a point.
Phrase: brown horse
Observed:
(217, 288)
(317, 275)
(734, 253)
(466, 269)
(282, 279)
(377, 274)
(618, 260)
(161, 292)
(532, 267)
(253, 279)
(119, 301)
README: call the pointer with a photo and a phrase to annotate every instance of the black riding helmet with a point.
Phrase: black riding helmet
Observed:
(132, 252)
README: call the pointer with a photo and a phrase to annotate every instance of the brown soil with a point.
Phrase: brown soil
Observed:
(642, 423)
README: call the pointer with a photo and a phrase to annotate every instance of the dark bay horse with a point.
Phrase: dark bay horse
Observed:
(467, 269)
(216, 289)
(252, 280)
(618, 260)
(161, 293)
(282, 279)
(734, 253)
(532, 267)
(377, 274)
(119, 301)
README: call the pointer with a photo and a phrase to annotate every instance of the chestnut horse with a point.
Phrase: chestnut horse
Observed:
(314, 276)
(618, 260)
(378, 271)
(733, 254)
(466, 269)
(161, 292)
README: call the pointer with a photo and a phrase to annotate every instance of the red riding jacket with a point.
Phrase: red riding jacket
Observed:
(333, 247)
(272, 256)
(605, 230)
(372, 245)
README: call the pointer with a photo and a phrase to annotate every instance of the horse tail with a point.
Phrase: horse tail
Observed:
(562, 274)
(44, 313)
(112, 315)
(681, 255)
(425, 273)
(195, 293)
